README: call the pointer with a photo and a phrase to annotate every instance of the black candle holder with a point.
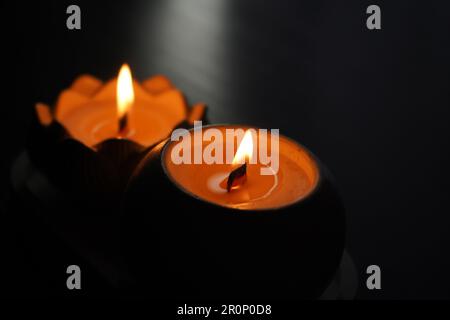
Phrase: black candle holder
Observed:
(64, 201)
(196, 249)
(94, 176)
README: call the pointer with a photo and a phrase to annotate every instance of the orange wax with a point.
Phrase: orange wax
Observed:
(297, 176)
(88, 110)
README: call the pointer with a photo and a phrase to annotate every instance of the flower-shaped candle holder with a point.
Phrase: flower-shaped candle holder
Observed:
(77, 144)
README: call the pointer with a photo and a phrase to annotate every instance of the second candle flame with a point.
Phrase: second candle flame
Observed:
(125, 93)
(245, 150)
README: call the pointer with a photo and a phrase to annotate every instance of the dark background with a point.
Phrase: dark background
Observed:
(373, 105)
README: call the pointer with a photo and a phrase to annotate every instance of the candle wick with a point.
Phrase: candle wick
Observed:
(123, 125)
(237, 177)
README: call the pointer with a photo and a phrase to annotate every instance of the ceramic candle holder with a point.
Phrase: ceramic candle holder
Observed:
(85, 168)
(181, 245)
(65, 191)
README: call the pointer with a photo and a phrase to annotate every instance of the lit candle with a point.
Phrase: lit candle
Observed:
(296, 177)
(121, 108)
(244, 228)
(89, 143)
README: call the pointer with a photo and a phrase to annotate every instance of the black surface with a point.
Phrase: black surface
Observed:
(373, 105)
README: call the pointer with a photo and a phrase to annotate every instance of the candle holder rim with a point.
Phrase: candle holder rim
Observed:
(318, 166)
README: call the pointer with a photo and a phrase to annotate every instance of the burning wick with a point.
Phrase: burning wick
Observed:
(125, 98)
(238, 176)
(123, 125)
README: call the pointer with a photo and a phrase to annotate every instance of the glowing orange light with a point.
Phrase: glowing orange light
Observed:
(125, 93)
(245, 149)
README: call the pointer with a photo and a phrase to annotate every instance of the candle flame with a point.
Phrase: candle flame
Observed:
(245, 150)
(125, 93)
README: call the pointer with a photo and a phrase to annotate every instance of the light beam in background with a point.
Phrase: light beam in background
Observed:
(192, 48)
